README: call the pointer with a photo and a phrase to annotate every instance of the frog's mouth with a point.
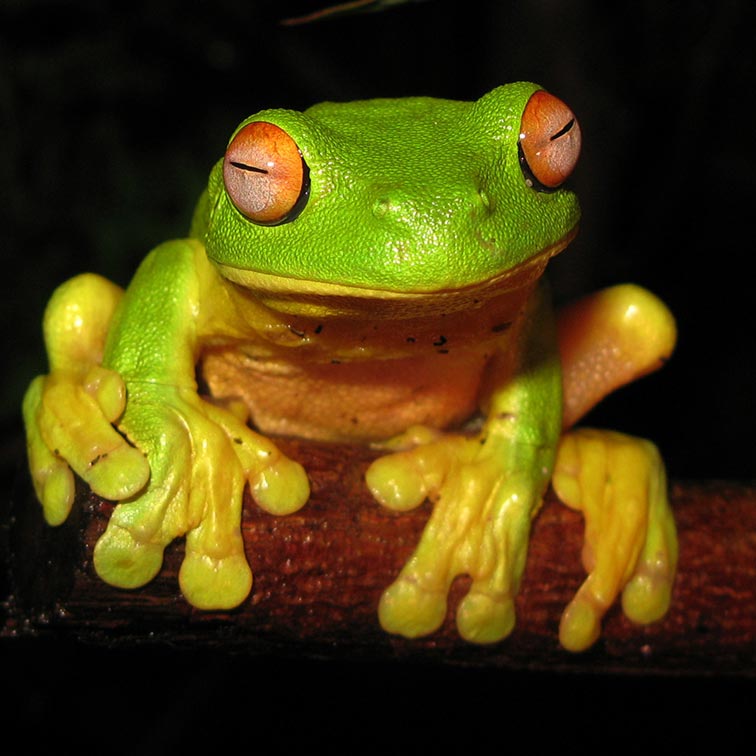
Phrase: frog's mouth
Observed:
(322, 299)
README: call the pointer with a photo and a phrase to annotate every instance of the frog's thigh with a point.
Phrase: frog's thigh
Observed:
(619, 484)
(607, 340)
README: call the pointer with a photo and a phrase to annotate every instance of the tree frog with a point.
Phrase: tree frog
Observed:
(366, 272)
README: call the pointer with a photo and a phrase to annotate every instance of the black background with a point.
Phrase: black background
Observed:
(111, 118)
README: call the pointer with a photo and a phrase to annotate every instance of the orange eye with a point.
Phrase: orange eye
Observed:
(549, 141)
(265, 175)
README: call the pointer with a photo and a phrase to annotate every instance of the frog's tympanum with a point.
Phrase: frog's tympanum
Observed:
(367, 272)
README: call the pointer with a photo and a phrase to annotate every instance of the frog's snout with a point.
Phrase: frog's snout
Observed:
(398, 204)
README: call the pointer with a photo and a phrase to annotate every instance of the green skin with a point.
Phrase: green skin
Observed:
(398, 220)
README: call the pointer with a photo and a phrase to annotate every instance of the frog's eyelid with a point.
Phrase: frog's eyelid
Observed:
(245, 167)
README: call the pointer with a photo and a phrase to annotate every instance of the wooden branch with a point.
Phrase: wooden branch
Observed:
(319, 574)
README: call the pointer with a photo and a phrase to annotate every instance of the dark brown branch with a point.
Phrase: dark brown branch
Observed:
(319, 574)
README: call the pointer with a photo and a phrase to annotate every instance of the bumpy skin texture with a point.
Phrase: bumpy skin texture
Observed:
(398, 298)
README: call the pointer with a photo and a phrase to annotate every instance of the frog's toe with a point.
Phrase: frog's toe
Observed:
(408, 609)
(56, 493)
(108, 389)
(125, 562)
(213, 583)
(646, 597)
(53, 482)
(51, 476)
(648, 593)
(482, 618)
(580, 625)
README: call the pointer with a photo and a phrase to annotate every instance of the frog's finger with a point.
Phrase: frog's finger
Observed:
(130, 551)
(403, 480)
(278, 484)
(72, 425)
(485, 616)
(396, 482)
(415, 604)
(496, 561)
(215, 573)
(52, 478)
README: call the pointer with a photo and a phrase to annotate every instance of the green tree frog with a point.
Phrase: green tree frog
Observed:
(366, 272)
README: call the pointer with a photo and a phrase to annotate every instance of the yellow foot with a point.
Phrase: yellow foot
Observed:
(619, 484)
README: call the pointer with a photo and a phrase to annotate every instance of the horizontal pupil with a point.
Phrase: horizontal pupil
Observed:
(245, 167)
(563, 130)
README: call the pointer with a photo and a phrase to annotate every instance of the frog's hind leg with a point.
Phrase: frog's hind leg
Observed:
(68, 413)
(607, 340)
(619, 484)
(616, 481)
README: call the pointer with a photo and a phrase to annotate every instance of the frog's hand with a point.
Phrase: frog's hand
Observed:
(68, 413)
(480, 524)
(200, 455)
(607, 340)
(619, 484)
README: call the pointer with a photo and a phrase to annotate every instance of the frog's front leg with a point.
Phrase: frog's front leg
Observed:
(200, 455)
(485, 490)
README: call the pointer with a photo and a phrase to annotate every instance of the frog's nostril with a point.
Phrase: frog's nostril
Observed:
(485, 200)
(382, 206)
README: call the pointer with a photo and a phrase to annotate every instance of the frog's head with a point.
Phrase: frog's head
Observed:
(395, 198)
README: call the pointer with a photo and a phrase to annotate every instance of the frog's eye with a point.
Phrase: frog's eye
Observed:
(549, 142)
(265, 174)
